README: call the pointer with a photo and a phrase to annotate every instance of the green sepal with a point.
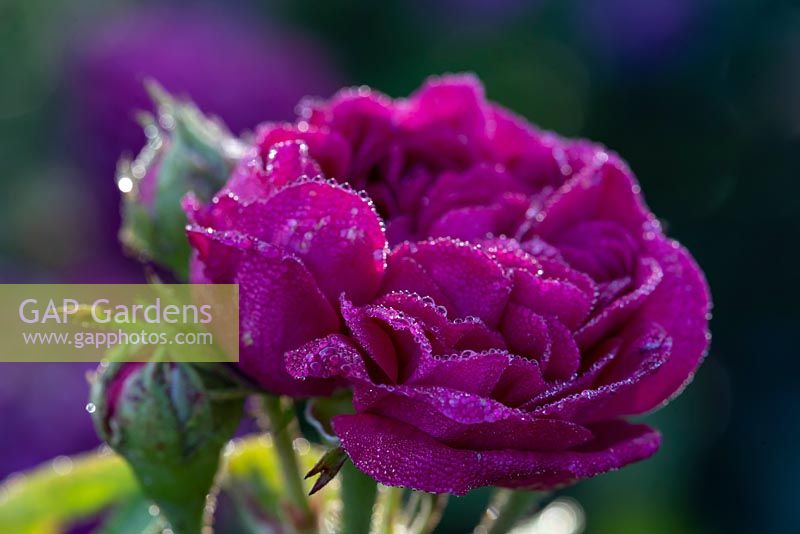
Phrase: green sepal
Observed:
(187, 152)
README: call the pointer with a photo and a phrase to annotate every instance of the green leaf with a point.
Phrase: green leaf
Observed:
(64, 490)
(67, 490)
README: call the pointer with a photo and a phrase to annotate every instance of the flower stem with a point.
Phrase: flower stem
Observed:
(358, 500)
(506, 508)
(390, 500)
(300, 512)
(430, 512)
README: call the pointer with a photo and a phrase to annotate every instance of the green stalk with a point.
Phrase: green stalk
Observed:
(390, 500)
(430, 512)
(506, 509)
(300, 513)
(358, 499)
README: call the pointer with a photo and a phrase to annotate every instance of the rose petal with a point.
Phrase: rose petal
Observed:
(680, 305)
(280, 308)
(326, 147)
(647, 277)
(643, 356)
(395, 344)
(517, 432)
(336, 233)
(397, 454)
(605, 193)
(457, 275)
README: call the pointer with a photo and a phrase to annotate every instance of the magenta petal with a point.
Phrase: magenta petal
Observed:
(327, 148)
(565, 357)
(552, 298)
(471, 283)
(521, 380)
(258, 178)
(331, 356)
(639, 359)
(524, 151)
(396, 346)
(585, 379)
(280, 308)
(476, 187)
(526, 333)
(364, 119)
(248, 181)
(397, 454)
(607, 193)
(604, 250)
(446, 337)
(287, 161)
(455, 102)
(647, 276)
(517, 431)
(336, 233)
(470, 372)
(480, 222)
(680, 305)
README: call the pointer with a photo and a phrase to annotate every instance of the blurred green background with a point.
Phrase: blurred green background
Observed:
(702, 97)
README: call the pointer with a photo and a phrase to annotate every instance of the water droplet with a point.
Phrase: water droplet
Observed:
(91, 408)
(62, 465)
(125, 184)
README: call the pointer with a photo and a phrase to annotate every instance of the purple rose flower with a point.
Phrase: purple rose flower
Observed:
(530, 301)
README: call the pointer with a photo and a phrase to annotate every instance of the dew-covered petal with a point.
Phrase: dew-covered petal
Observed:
(524, 151)
(478, 222)
(444, 123)
(468, 371)
(280, 308)
(326, 147)
(586, 379)
(248, 180)
(335, 232)
(602, 249)
(454, 103)
(521, 381)
(446, 336)
(550, 297)
(363, 117)
(456, 275)
(526, 333)
(680, 305)
(397, 454)
(479, 186)
(642, 355)
(647, 277)
(565, 356)
(258, 177)
(518, 431)
(605, 193)
(395, 345)
(331, 356)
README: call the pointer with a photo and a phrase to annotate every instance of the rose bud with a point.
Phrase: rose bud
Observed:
(161, 418)
(186, 152)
